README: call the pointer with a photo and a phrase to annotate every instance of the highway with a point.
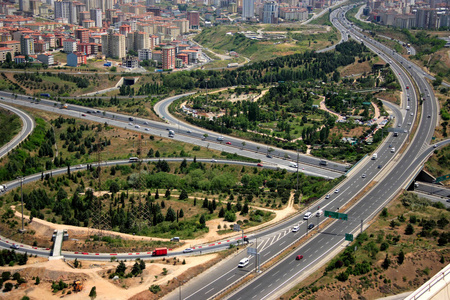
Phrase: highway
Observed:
(187, 133)
(162, 109)
(27, 127)
(275, 281)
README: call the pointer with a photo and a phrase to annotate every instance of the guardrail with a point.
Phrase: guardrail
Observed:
(425, 289)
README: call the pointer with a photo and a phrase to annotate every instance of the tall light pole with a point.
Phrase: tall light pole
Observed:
(206, 82)
(21, 199)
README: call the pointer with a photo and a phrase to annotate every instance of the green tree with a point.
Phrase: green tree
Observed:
(386, 263)
(114, 187)
(181, 213)
(136, 270)
(167, 195)
(38, 280)
(401, 257)
(409, 229)
(171, 215)
(183, 195)
(93, 293)
(221, 212)
(121, 268)
(230, 216)
(202, 220)
(156, 194)
(244, 210)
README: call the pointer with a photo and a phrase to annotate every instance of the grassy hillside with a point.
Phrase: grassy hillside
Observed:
(10, 125)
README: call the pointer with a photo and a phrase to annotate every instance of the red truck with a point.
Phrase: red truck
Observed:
(159, 252)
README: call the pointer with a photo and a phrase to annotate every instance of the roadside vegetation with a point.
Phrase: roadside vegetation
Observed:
(10, 124)
(406, 246)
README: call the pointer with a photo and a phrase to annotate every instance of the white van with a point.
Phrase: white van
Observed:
(293, 165)
(408, 108)
(307, 215)
(295, 228)
(319, 213)
(243, 262)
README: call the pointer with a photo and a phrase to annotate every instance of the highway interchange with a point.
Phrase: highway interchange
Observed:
(391, 171)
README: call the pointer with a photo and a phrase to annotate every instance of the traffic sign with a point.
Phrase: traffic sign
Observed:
(336, 215)
(442, 178)
(349, 237)
(251, 251)
(236, 227)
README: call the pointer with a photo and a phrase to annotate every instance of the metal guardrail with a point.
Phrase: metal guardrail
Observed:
(426, 287)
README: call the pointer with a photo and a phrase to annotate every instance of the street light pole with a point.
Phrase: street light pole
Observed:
(21, 199)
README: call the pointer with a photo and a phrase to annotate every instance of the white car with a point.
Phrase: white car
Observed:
(188, 250)
(307, 215)
(14, 246)
(295, 228)
(213, 160)
(145, 123)
(327, 196)
(80, 167)
(336, 191)
(364, 175)
(131, 124)
(146, 129)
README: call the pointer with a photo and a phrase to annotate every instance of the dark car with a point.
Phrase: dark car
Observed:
(310, 226)
(380, 166)
(269, 156)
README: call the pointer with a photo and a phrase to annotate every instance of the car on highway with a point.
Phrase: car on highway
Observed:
(244, 262)
(188, 250)
(98, 111)
(83, 115)
(295, 228)
(80, 167)
(269, 156)
(392, 150)
(298, 257)
(310, 226)
(380, 166)
(14, 246)
(363, 175)
(448, 200)
(145, 123)
(259, 165)
(412, 114)
(407, 87)
(336, 191)
(146, 129)
(188, 131)
(228, 143)
(131, 124)
(434, 146)
(307, 215)
(327, 196)
(213, 160)
(429, 116)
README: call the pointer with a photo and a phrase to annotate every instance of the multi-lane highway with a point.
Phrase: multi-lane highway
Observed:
(391, 179)
(189, 134)
(27, 128)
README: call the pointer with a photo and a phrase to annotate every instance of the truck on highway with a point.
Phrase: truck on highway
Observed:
(45, 95)
(159, 252)
(2, 188)
(374, 156)
(232, 65)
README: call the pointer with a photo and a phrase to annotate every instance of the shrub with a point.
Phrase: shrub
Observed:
(154, 288)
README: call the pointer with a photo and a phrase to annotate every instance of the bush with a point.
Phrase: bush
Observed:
(384, 246)
(8, 287)
(154, 288)
(409, 229)
(343, 276)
